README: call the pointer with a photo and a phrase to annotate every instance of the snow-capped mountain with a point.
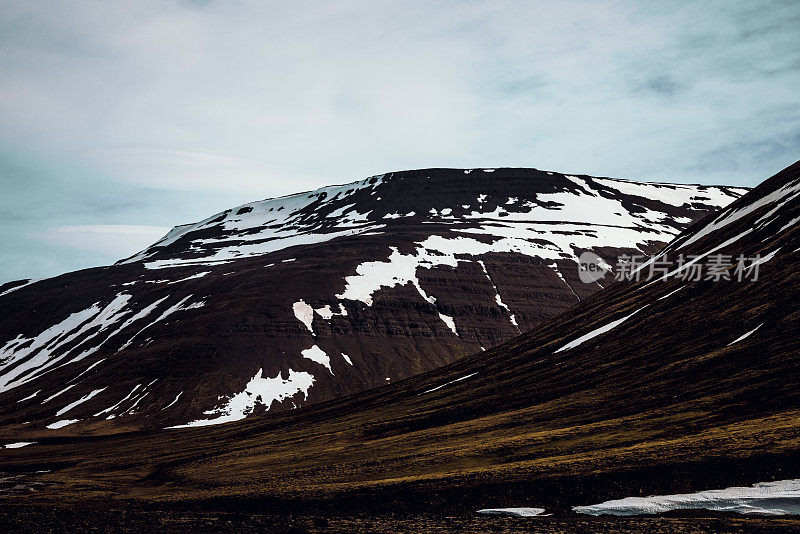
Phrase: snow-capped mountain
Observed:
(299, 299)
(651, 387)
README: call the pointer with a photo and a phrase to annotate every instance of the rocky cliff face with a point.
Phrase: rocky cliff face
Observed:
(299, 299)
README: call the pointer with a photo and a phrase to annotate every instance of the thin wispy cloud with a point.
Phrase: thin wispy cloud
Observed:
(116, 241)
(175, 109)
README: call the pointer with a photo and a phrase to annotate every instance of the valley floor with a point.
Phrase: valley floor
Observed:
(88, 518)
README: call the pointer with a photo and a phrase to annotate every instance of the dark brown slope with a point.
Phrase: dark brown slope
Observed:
(666, 401)
(295, 300)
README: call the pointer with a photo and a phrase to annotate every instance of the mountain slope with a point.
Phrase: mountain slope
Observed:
(646, 387)
(299, 299)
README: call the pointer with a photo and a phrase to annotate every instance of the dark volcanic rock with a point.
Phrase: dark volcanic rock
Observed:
(304, 298)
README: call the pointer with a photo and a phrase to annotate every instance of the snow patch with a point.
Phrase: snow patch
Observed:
(449, 322)
(29, 397)
(670, 293)
(745, 336)
(114, 407)
(513, 512)
(62, 423)
(316, 354)
(198, 275)
(51, 397)
(258, 390)
(499, 300)
(304, 314)
(598, 331)
(19, 444)
(398, 270)
(83, 399)
(768, 498)
(325, 312)
(46, 349)
(166, 313)
(765, 259)
(171, 404)
(451, 382)
(27, 283)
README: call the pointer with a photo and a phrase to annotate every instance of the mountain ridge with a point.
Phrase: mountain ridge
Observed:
(316, 295)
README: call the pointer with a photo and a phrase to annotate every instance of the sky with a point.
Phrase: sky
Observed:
(120, 119)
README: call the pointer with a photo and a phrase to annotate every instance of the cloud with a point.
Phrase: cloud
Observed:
(259, 96)
(114, 241)
(184, 169)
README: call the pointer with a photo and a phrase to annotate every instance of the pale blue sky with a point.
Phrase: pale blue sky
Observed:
(120, 119)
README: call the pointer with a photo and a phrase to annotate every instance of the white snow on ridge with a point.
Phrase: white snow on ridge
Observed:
(166, 313)
(47, 349)
(591, 208)
(49, 341)
(266, 226)
(745, 336)
(95, 364)
(768, 498)
(325, 312)
(171, 404)
(597, 331)
(542, 241)
(192, 277)
(727, 216)
(304, 313)
(694, 259)
(513, 512)
(62, 423)
(114, 407)
(139, 399)
(788, 225)
(338, 212)
(673, 194)
(19, 444)
(561, 276)
(398, 270)
(29, 397)
(27, 283)
(448, 383)
(316, 354)
(258, 390)
(60, 392)
(282, 222)
(670, 293)
(449, 322)
(228, 249)
(765, 259)
(166, 264)
(83, 399)
(497, 298)
(140, 315)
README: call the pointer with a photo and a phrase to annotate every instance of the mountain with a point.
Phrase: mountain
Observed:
(647, 387)
(295, 300)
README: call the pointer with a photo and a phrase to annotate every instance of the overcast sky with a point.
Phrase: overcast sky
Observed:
(121, 119)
